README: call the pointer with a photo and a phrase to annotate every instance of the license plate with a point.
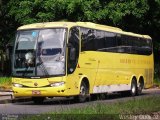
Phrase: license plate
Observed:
(36, 92)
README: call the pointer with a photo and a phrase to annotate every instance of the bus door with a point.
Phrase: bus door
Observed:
(72, 60)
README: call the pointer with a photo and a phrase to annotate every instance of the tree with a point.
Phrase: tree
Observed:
(30, 11)
(140, 16)
(7, 25)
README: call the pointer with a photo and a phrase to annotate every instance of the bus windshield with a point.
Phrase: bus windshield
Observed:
(39, 52)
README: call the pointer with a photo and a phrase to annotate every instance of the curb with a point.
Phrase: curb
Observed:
(5, 101)
(15, 100)
(7, 97)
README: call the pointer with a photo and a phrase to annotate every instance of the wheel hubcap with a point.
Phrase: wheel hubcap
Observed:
(133, 89)
(82, 91)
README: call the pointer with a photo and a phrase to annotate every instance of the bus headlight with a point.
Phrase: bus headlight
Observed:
(17, 85)
(57, 84)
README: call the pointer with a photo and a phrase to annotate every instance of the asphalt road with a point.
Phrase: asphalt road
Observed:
(58, 104)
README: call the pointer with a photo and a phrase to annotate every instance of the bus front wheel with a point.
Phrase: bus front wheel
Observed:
(83, 93)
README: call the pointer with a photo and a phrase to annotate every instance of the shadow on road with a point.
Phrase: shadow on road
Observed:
(70, 100)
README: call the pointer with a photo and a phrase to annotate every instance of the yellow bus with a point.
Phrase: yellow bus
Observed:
(79, 59)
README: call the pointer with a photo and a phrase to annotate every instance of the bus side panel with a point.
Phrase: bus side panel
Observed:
(88, 66)
(116, 70)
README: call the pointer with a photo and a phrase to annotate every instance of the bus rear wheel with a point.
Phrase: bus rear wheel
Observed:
(133, 90)
(83, 93)
(38, 100)
(140, 87)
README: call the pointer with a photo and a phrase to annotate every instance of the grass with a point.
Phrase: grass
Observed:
(106, 111)
(5, 82)
(156, 82)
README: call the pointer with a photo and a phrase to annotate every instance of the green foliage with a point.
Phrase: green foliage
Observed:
(102, 111)
(118, 9)
(30, 11)
(5, 81)
(134, 106)
(140, 16)
(6, 27)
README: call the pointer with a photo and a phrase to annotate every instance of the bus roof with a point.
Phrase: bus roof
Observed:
(47, 25)
(83, 24)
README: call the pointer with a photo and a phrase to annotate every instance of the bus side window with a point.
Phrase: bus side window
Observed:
(73, 49)
(88, 39)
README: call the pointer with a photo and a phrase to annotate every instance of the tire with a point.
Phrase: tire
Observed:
(38, 100)
(125, 93)
(133, 90)
(93, 97)
(139, 89)
(102, 96)
(83, 93)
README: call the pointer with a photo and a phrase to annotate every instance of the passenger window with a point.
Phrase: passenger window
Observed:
(110, 42)
(100, 40)
(88, 39)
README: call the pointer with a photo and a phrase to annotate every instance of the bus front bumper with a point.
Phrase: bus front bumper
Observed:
(44, 92)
